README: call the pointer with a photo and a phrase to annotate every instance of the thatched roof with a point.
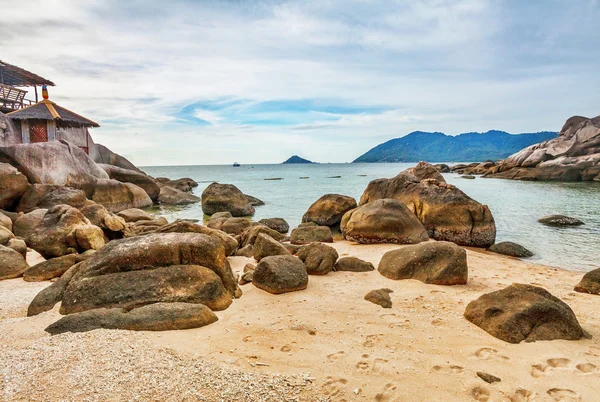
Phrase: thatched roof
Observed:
(48, 110)
(17, 77)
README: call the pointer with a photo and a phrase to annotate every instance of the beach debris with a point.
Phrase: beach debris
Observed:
(489, 378)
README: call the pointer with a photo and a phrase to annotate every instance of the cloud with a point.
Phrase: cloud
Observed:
(210, 82)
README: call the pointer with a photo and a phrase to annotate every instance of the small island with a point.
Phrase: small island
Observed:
(297, 159)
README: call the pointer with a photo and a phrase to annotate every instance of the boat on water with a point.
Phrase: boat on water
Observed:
(235, 164)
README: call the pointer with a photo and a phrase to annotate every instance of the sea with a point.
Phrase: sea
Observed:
(288, 191)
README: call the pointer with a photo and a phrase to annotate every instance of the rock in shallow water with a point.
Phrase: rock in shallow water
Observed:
(225, 198)
(559, 221)
(329, 209)
(278, 224)
(511, 249)
(153, 317)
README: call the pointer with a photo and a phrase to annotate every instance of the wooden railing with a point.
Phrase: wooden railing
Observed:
(13, 98)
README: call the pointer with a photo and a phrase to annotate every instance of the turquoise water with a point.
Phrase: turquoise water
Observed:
(516, 205)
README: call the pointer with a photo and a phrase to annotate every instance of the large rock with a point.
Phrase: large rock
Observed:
(437, 263)
(311, 234)
(266, 246)
(524, 312)
(47, 298)
(318, 258)
(511, 249)
(145, 226)
(6, 222)
(26, 223)
(447, 213)
(572, 156)
(9, 134)
(424, 170)
(113, 226)
(329, 209)
(12, 264)
(101, 154)
(12, 186)
(233, 226)
(53, 268)
(133, 176)
(590, 283)
(64, 230)
(184, 184)
(383, 221)
(154, 317)
(280, 274)
(250, 234)
(134, 215)
(278, 224)
(54, 162)
(19, 246)
(117, 196)
(179, 226)
(136, 288)
(225, 198)
(48, 195)
(353, 264)
(172, 196)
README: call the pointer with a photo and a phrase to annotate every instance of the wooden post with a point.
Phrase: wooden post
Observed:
(36, 94)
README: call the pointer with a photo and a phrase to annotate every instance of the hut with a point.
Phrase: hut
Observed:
(11, 78)
(46, 121)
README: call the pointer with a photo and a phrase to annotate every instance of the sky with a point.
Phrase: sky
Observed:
(213, 82)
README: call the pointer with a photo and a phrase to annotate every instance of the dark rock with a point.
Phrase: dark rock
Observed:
(311, 234)
(442, 168)
(511, 249)
(53, 268)
(590, 283)
(184, 184)
(246, 277)
(266, 246)
(380, 297)
(172, 196)
(13, 185)
(280, 274)
(424, 170)
(101, 154)
(383, 221)
(329, 209)
(292, 248)
(132, 176)
(5, 236)
(246, 251)
(254, 201)
(278, 224)
(467, 176)
(318, 258)
(353, 264)
(524, 312)
(437, 263)
(559, 221)
(490, 379)
(12, 264)
(47, 298)
(154, 317)
(225, 197)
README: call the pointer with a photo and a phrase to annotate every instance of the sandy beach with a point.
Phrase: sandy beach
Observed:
(324, 343)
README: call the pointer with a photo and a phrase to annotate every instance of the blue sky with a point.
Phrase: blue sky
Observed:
(207, 82)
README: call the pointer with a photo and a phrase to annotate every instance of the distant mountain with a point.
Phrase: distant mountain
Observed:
(439, 147)
(297, 159)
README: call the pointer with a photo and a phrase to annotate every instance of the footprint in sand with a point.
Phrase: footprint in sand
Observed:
(586, 368)
(539, 370)
(522, 395)
(334, 357)
(286, 348)
(388, 394)
(371, 340)
(564, 395)
(401, 324)
(378, 366)
(480, 394)
(489, 354)
(593, 351)
(449, 369)
(438, 322)
(334, 386)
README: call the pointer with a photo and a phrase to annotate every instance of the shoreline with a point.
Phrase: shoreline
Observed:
(349, 350)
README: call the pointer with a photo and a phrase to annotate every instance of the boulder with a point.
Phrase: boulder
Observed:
(153, 317)
(136, 288)
(559, 221)
(184, 184)
(133, 176)
(179, 226)
(47, 298)
(266, 246)
(318, 258)
(172, 196)
(53, 268)
(9, 134)
(255, 202)
(13, 185)
(19, 246)
(590, 283)
(145, 226)
(277, 224)
(117, 196)
(437, 263)
(54, 162)
(307, 224)
(233, 226)
(12, 264)
(524, 312)
(26, 223)
(220, 215)
(48, 195)
(329, 209)
(225, 198)
(380, 297)
(311, 234)
(442, 168)
(250, 235)
(424, 170)
(447, 213)
(113, 226)
(101, 154)
(353, 264)
(280, 274)
(5, 236)
(6, 222)
(64, 230)
(511, 249)
(134, 215)
(383, 221)
(246, 251)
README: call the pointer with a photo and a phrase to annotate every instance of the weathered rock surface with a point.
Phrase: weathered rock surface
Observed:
(266, 246)
(9, 134)
(12, 186)
(5, 236)
(113, 226)
(280, 274)
(64, 230)
(447, 213)
(311, 234)
(172, 196)
(511, 249)
(255, 202)
(250, 235)
(19, 246)
(53, 268)
(6, 222)
(524, 313)
(12, 264)
(353, 264)
(101, 154)
(117, 196)
(437, 263)
(26, 223)
(47, 195)
(278, 224)
(573, 156)
(380, 297)
(424, 170)
(179, 226)
(559, 221)
(590, 283)
(145, 226)
(134, 215)
(153, 317)
(383, 221)
(329, 209)
(318, 258)
(133, 176)
(184, 184)
(47, 298)
(225, 198)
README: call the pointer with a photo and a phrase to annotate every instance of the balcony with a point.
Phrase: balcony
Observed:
(12, 99)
